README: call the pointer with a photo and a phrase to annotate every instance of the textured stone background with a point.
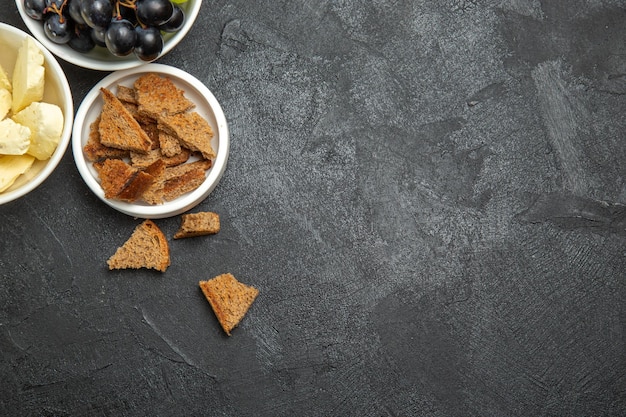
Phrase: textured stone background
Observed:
(429, 196)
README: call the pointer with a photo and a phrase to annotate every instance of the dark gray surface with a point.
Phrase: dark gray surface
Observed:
(428, 195)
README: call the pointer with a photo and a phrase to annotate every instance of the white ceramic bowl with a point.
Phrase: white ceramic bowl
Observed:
(57, 91)
(99, 58)
(206, 105)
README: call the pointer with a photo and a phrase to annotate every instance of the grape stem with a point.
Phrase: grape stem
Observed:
(58, 10)
(130, 4)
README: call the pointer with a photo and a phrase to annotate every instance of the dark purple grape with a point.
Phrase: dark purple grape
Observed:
(81, 40)
(96, 13)
(98, 34)
(149, 43)
(175, 22)
(154, 12)
(35, 8)
(120, 37)
(73, 8)
(58, 28)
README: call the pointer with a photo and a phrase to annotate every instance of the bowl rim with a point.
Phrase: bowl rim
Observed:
(85, 61)
(182, 203)
(68, 119)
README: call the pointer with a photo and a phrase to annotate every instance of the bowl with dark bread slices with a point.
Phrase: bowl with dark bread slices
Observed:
(109, 35)
(151, 141)
(36, 113)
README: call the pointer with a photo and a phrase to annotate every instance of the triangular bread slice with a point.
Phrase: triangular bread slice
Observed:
(95, 151)
(192, 130)
(118, 128)
(135, 188)
(158, 96)
(115, 175)
(229, 299)
(147, 248)
(124, 182)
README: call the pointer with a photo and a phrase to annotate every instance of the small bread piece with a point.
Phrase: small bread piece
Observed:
(118, 128)
(124, 182)
(152, 130)
(177, 186)
(177, 181)
(192, 130)
(158, 96)
(115, 174)
(229, 299)
(203, 164)
(126, 94)
(168, 188)
(140, 161)
(134, 189)
(147, 248)
(96, 151)
(170, 146)
(133, 110)
(198, 224)
(156, 169)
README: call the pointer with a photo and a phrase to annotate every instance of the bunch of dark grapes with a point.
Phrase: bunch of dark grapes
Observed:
(121, 26)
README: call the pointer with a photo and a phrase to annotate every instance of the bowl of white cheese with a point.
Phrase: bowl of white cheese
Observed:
(36, 113)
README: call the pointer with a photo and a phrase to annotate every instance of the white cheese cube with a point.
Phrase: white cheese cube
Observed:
(45, 122)
(11, 167)
(28, 75)
(14, 138)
